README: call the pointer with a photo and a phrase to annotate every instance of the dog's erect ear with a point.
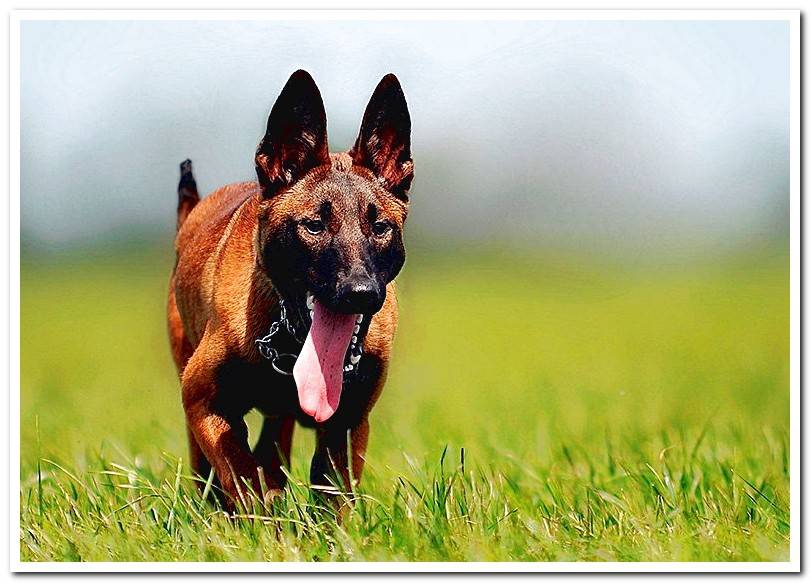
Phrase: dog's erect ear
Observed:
(296, 138)
(384, 142)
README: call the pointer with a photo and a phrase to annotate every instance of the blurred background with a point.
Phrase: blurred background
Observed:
(633, 137)
(598, 238)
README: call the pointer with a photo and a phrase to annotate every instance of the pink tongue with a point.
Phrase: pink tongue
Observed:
(319, 369)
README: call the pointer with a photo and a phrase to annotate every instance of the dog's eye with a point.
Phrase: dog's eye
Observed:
(314, 227)
(380, 228)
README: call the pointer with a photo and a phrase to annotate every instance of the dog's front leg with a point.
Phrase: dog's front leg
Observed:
(272, 451)
(222, 435)
(330, 463)
(331, 460)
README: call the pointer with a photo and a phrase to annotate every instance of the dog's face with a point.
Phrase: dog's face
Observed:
(331, 225)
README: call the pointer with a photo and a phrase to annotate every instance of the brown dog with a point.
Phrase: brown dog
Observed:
(297, 267)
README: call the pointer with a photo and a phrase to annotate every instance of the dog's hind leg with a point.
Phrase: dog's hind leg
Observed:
(187, 195)
(359, 440)
(197, 459)
(181, 353)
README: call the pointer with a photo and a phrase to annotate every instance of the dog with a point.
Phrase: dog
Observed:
(282, 298)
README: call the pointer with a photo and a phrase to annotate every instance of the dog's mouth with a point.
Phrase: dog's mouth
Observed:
(332, 348)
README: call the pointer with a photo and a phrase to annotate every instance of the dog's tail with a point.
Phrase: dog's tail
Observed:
(187, 195)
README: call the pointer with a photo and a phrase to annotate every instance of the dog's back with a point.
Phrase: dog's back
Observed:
(201, 225)
(199, 240)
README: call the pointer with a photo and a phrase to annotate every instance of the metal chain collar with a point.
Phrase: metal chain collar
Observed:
(267, 350)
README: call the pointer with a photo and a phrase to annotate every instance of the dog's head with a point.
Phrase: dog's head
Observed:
(330, 234)
(331, 225)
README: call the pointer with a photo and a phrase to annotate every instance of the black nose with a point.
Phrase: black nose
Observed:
(359, 295)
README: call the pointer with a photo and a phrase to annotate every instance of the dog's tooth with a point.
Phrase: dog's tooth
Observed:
(348, 368)
(357, 329)
(360, 319)
(310, 301)
(354, 359)
(354, 340)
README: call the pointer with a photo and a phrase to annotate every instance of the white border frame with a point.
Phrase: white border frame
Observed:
(790, 16)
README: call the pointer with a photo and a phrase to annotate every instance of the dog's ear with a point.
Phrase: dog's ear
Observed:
(384, 143)
(296, 138)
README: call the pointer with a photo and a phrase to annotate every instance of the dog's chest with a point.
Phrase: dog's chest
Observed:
(246, 386)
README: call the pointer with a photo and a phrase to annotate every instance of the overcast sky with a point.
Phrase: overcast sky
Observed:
(667, 133)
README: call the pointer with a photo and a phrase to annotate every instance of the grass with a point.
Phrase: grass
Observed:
(539, 408)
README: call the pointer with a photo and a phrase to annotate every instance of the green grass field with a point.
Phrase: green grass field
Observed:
(539, 408)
